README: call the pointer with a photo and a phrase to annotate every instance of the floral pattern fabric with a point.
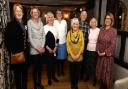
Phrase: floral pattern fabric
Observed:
(106, 43)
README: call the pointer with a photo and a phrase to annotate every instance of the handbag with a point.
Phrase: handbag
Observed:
(17, 58)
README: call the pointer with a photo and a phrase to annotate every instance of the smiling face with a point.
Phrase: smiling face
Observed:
(50, 18)
(18, 12)
(83, 15)
(93, 23)
(35, 13)
(108, 21)
(59, 15)
(75, 24)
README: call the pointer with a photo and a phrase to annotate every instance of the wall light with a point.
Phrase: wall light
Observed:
(45, 15)
(66, 15)
(120, 17)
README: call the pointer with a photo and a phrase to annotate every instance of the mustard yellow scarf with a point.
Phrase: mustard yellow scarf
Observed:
(75, 36)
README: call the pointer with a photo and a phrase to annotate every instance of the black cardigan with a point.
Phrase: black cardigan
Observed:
(14, 37)
(50, 40)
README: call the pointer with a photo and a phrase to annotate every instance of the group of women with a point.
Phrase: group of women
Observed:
(53, 42)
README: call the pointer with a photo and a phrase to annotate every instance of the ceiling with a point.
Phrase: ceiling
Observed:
(51, 2)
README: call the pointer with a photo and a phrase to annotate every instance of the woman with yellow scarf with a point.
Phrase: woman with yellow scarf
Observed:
(75, 47)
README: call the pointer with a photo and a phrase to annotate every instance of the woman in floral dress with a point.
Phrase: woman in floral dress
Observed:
(105, 47)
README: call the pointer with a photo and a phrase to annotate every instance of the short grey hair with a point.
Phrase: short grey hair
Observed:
(74, 20)
(49, 14)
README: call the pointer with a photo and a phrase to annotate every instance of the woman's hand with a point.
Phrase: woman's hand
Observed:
(78, 55)
(101, 53)
(38, 50)
(54, 50)
(72, 56)
(41, 50)
(49, 49)
(75, 57)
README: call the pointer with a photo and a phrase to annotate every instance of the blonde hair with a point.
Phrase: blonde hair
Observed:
(15, 6)
(111, 17)
(35, 7)
(49, 14)
(93, 19)
(74, 20)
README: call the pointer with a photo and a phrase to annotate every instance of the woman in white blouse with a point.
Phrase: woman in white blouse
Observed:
(91, 57)
(51, 34)
(61, 25)
(37, 41)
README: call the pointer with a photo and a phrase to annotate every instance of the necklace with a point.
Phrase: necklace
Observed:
(74, 38)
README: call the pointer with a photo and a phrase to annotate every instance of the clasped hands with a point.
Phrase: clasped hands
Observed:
(101, 53)
(50, 50)
(41, 50)
(75, 57)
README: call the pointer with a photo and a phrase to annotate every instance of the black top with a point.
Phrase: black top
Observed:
(50, 40)
(15, 37)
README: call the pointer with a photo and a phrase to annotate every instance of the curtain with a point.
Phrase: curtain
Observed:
(5, 73)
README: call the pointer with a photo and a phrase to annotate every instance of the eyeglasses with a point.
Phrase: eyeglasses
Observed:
(107, 18)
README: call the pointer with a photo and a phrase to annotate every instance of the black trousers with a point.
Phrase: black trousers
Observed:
(37, 68)
(83, 67)
(74, 74)
(20, 75)
(83, 71)
(50, 62)
(91, 61)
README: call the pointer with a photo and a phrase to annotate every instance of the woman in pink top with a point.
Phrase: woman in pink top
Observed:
(91, 57)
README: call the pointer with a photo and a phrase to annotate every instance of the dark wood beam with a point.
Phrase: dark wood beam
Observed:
(50, 2)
